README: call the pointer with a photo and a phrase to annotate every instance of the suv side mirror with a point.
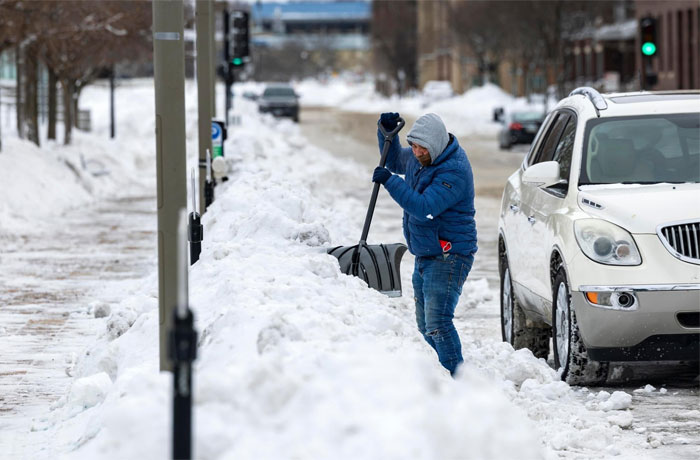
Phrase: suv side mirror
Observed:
(542, 174)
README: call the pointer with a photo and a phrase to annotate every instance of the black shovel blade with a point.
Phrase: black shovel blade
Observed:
(378, 265)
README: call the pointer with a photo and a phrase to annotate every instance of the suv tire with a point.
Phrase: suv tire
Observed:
(515, 328)
(570, 356)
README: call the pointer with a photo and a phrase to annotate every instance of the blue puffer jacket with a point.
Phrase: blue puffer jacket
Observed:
(438, 200)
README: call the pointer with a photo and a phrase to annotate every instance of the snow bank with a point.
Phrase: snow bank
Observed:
(465, 114)
(40, 183)
(297, 360)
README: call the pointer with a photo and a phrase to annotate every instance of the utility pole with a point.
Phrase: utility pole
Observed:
(204, 91)
(227, 63)
(212, 56)
(171, 167)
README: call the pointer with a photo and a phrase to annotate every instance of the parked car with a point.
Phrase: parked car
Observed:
(280, 100)
(599, 234)
(519, 127)
(436, 90)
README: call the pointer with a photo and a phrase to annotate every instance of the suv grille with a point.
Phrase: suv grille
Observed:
(682, 240)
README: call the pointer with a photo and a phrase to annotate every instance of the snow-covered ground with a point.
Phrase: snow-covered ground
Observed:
(296, 360)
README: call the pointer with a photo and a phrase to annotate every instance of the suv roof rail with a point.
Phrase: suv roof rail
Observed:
(594, 96)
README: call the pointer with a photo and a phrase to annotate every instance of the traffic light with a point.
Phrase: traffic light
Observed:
(648, 36)
(241, 37)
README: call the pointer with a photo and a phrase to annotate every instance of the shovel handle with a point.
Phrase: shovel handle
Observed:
(393, 132)
(388, 138)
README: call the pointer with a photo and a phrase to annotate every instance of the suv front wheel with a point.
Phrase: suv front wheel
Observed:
(570, 356)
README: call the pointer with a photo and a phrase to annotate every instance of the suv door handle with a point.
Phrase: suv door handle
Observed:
(532, 220)
(514, 207)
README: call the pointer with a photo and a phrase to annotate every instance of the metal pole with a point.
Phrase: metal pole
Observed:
(183, 351)
(204, 110)
(171, 167)
(227, 62)
(195, 230)
(111, 103)
(208, 183)
(212, 56)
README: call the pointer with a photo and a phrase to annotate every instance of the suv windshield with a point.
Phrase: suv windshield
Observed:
(278, 92)
(642, 150)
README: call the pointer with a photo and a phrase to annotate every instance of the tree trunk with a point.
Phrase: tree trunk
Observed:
(68, 86)
(74, 101)
(31, 93)
(0, 125)
(19, 100)
(52, 105)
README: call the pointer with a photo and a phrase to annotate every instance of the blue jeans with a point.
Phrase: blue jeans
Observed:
(437, 285)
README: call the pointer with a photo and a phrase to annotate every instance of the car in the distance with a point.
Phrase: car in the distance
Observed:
(519, 127)
(599, 234)
(280, 100)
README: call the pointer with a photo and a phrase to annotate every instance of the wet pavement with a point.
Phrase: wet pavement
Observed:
(50, 282)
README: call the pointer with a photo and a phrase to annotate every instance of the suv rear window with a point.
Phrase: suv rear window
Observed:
(528, 116)
(642, 150)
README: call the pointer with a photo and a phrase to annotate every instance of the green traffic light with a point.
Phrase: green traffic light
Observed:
(648, 49)
(237, 61)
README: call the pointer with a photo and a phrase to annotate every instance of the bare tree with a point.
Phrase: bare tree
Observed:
(76, 40)
(92, 36)
(486, 32)
(529, 33)
(394, 41)
(10, 20)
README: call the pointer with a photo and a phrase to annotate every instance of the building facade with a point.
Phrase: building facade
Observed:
(441, 56)
(340, 28)
(603, 57)
(605, 54)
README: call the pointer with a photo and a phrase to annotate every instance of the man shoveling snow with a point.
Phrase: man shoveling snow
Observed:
(437, 196)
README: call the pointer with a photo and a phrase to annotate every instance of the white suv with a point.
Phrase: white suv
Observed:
(599, 232)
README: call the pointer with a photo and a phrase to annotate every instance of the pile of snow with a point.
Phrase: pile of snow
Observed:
(297, 360)
(465, 114)
(40, 183)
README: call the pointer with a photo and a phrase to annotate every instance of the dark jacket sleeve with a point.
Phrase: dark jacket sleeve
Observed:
(445, 190)
(397, 157)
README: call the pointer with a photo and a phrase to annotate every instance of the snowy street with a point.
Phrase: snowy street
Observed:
(350, 134)
(296, 360)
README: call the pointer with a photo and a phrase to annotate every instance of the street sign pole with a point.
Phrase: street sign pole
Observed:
(171, 164)
(183, 351)
(227, 62)
(212, 56)
(204, 100)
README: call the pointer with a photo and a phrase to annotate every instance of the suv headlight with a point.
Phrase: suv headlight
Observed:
(606, 243)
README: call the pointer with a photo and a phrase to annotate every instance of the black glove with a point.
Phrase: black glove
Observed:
(381, 175)
(389, 120)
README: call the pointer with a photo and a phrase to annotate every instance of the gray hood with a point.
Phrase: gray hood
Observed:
(429, 131)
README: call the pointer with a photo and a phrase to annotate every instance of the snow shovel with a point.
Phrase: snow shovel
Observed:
(378, 265)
